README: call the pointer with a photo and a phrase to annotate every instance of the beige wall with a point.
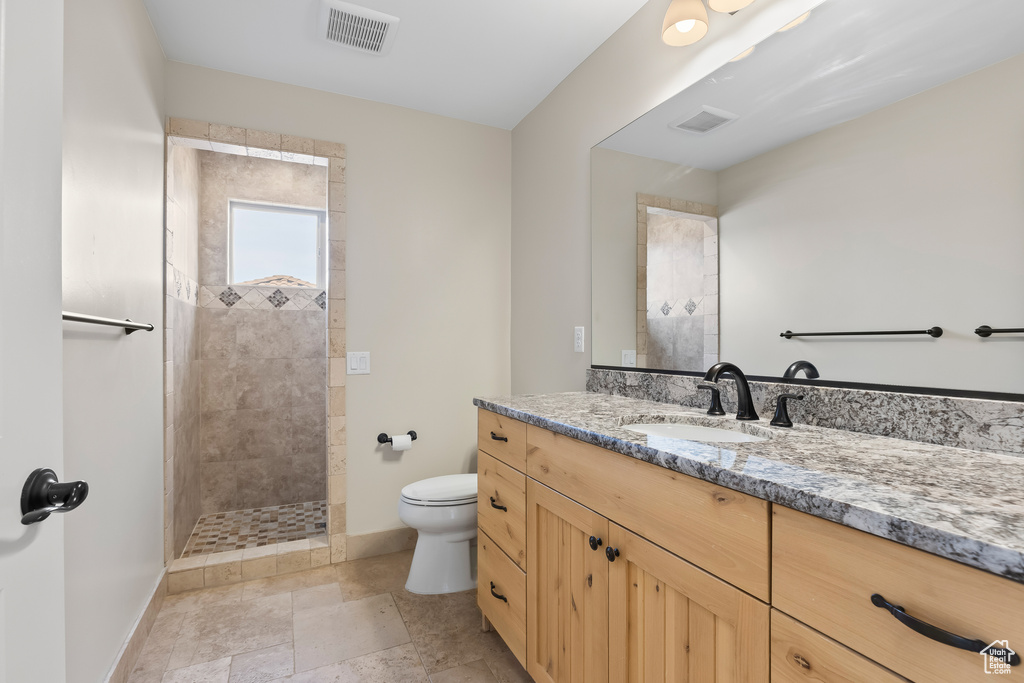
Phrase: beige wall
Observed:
(264, 371)
(428, 213)
(616, 179)
(905, 218)
(632, 72)
(112, 266)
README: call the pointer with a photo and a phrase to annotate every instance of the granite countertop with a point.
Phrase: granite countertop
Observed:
(961, 504)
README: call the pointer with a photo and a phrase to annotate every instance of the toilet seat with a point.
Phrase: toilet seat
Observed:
(446, 491)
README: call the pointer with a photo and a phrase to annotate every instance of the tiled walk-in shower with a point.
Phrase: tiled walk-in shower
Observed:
(225, 531)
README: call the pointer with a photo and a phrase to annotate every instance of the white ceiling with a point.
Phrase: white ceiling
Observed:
(487, 62)
(849, 58)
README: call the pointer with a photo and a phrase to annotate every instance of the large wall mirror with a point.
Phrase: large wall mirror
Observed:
(862, 171)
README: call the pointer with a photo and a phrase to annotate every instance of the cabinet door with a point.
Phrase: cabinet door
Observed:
(671, 622)
(566, 590)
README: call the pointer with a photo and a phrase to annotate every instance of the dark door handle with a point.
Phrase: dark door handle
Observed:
(497, 595)
(42, 495)
(595, 542)
(611, 553)
(495, 437)
(936, 633)
(494, 504)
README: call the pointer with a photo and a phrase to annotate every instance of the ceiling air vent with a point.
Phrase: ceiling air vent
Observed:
(357, 27)
(704, 121)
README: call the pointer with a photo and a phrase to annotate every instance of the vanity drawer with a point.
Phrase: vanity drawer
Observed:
(824, 574)
(801, 654)
(500, 486)
(502, 437)
(723, 531)
(501, 594)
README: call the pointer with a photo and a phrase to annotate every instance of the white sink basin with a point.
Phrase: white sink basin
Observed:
(692, 432)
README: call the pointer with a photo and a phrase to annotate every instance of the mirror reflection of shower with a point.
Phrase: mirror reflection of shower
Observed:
(677, 287)
(245, 352)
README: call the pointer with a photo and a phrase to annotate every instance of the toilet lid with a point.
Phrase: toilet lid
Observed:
(449, 488)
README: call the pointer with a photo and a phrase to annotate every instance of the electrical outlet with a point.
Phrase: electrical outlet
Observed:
(577, 340)
(358, 362)
(629, 358)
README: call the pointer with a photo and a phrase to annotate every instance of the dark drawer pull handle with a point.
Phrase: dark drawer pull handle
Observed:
(595, 542)
(496, 506)
(934, 632)
(499, 438)
(498, 595)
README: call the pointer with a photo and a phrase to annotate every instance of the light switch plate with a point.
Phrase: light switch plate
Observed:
(577, 340)
(629, 358)
(358, 363)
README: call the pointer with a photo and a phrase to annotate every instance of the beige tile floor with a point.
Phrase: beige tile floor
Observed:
(347, 623)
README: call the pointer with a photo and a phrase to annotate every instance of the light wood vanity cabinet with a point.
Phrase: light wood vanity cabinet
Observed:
(801, 655)
(501, 522)
(685, 593)
(501, 506)
(824, 575)
(566, 589)
(723, 531)
(644, 613)
(502, 437)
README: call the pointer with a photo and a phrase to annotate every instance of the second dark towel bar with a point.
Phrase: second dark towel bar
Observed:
(931, 332)
(986, 331)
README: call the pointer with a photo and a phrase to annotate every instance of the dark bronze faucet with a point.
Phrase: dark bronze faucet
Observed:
(746, 405)
(807, 366)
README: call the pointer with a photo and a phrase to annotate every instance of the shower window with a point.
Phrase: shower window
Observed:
(273, 245)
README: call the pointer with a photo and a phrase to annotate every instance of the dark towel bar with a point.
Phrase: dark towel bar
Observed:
(931, 332)
(986, 331)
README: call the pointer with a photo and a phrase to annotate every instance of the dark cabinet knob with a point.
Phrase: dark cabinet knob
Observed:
(611, 553)
(595, 542)
(43, 495)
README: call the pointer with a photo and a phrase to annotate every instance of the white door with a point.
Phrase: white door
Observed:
(31, 557)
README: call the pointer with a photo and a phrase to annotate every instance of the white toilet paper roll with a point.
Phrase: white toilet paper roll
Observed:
(401, 442)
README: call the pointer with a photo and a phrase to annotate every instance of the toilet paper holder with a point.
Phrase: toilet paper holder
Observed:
(384, 438)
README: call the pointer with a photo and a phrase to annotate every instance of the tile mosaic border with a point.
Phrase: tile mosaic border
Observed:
(219, 137)
(262, 298)
(977, 424)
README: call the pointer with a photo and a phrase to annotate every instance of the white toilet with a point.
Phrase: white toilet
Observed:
(443, 511)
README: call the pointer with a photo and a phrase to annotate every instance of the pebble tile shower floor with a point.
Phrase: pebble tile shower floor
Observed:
(352, 622)
(225, 531)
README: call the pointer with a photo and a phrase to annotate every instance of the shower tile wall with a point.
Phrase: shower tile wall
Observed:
(264, 370)
(677, 283)
(182, 382)
(675, 292)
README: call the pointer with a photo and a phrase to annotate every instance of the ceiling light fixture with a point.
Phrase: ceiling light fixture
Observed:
(796, 22)
(728, 5)
(745, 53)
(685, 23)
